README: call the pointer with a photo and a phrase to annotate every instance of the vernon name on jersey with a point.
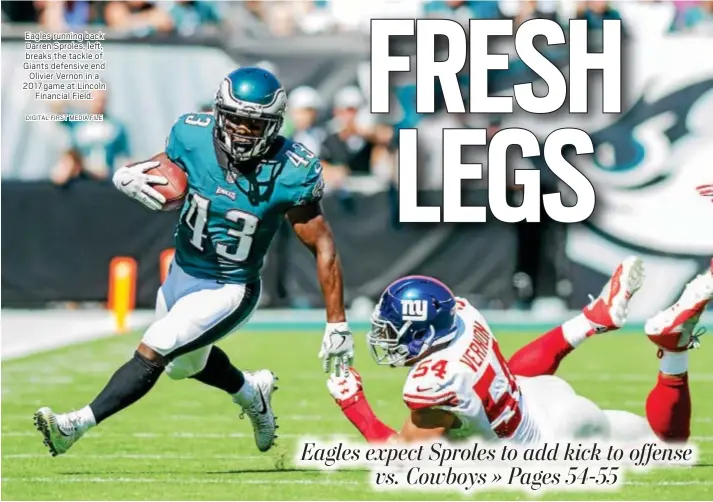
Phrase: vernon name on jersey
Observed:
(471, 380)
(229, 220)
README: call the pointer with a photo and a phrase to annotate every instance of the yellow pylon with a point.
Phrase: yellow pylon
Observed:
(122, 290)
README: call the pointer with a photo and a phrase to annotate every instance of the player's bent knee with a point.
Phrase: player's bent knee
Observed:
(546, 386)
(165, 336)
(582, 419)
(187, 365)
(160, 341)
(180, 372)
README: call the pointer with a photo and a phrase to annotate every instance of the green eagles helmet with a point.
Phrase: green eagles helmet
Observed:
(249, 111)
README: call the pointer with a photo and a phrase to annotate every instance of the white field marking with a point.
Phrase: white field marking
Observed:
(320, 418)
(636, 406)
(181, 480)
(50, 373)
(382, 375)
(142, 456)
(227, 418)
(701, 438)
(230, 481)
(232, 435)
(629, 377)
(668, 483)
(45, 380)
(181, 435)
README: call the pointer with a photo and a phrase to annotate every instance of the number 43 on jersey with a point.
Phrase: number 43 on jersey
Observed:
(196, 218)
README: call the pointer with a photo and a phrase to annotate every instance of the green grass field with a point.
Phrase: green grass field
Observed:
(184, 441)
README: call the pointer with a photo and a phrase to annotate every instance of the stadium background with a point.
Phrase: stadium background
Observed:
(166, 58)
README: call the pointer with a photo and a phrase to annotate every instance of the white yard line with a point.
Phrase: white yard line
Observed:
(232, 435)
(180, 435)
(141, 456)
(182, 480)
(668, 483)
(27, 332)
(297, 418)
(30, 332)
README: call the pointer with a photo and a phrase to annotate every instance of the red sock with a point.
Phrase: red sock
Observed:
(668, 408)
(542, 356)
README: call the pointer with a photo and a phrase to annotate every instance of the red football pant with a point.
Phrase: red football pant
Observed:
(668, 406)
(542, 356)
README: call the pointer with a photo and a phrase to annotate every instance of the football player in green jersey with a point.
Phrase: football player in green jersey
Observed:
(243, 180)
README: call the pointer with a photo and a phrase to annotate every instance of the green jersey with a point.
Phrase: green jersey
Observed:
(229, 219)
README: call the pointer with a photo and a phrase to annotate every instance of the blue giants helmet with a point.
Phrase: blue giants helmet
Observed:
(249, 111)
(413, 315)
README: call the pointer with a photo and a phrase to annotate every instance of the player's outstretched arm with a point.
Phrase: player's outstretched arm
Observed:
(348, 393)
(312, 228)
(422, 425)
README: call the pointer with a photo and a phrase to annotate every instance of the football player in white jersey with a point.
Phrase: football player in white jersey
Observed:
(460, 385)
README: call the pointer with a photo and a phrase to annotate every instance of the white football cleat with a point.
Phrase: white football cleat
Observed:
(60, 431)
(610, 309)
(259, 411)
(672, 329)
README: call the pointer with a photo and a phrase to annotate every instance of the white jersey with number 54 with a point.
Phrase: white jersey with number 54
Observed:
(471, 380)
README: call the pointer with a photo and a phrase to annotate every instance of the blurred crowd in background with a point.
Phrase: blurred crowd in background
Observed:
(351, 142)
(289, 18)
(358, 149)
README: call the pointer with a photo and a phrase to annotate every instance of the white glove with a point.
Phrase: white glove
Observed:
(344, 389)
(134, 182)
(337, 347)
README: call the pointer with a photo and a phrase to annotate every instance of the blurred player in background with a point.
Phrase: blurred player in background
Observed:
(95, 148)
(460, 384)
(243, 178)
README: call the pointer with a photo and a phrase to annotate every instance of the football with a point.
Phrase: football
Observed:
(177, 188)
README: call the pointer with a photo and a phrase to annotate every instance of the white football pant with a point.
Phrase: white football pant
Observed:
(562, 414)
(192, 314)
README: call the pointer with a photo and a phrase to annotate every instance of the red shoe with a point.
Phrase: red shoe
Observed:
(672, 329)
(608, 312)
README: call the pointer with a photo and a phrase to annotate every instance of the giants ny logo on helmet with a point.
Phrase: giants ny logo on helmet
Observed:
(414, 310)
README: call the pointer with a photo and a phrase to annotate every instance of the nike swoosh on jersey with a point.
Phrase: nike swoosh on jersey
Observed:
(419, 389)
